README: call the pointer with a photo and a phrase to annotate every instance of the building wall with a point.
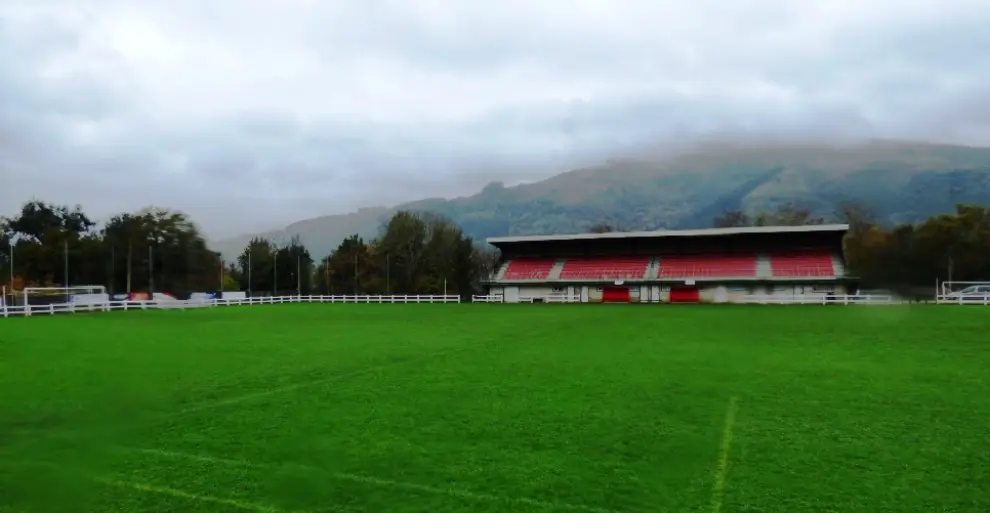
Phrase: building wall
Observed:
(594, 294)
(635, 294)
(541, 290)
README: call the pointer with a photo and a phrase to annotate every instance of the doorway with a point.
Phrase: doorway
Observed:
(685, 295)
(615, 295)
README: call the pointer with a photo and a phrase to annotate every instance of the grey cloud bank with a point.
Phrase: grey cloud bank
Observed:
(249, 115)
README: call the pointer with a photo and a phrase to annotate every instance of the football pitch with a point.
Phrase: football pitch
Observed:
(497, 408)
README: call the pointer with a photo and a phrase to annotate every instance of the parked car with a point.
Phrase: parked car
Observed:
(971, 293)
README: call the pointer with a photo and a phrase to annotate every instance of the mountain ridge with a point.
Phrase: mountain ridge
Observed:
(901, 181)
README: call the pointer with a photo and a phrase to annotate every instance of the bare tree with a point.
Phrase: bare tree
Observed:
(732, 219)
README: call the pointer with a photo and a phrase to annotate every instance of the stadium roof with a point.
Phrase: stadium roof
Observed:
(708, 232)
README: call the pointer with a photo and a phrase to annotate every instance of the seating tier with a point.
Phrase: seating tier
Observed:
(812, 264)
(701, 266)
(633, 268)
(528, 269)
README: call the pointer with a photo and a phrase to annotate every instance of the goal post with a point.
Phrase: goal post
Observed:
(91, 296)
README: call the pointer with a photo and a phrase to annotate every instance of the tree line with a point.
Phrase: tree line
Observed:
(47, 245)
(905, 257)
(157, 249)
(415, 253)
(163, 250)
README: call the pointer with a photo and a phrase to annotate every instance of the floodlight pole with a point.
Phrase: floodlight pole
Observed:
(250, 250)
(151, 270)
(130, 255)
(65, 252)
(11, 265)
(298, 274)
(275, 272)
(388, 277)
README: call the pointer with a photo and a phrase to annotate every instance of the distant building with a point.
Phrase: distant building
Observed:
(720, 265)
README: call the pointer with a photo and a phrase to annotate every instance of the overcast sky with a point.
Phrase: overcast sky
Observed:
(252, 114)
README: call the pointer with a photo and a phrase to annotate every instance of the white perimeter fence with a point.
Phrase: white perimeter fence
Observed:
(849, 299)
(547, 298)
(952, 299)
(750, 299)
(159, 304)
(774, 299)
(106, 306)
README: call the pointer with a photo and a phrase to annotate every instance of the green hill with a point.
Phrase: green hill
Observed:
(901, 181)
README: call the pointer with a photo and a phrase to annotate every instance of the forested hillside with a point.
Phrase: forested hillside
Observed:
(902, 183)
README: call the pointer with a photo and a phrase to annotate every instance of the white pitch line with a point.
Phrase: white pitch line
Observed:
(384, 483)
(182, 494)
(722, 469)
(264, 393)
(160, 490)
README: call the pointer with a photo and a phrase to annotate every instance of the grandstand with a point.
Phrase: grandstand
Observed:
(720, 265)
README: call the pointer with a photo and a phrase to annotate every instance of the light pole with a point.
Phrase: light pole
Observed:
(151, 271)
(65, 252)
(11, 265)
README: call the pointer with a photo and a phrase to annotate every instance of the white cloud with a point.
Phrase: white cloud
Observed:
(255, 113)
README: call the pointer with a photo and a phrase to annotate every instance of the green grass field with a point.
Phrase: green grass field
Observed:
(497, 408)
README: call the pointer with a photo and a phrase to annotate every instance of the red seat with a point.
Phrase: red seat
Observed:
(528, 269)
(704, 266)
(605, 268)
(812, 264)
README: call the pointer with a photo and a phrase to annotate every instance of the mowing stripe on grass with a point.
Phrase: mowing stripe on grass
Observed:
(30, 463)
(314, 383)
(164, 490)
(382, 483)
(264, 393)
(723, 456)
